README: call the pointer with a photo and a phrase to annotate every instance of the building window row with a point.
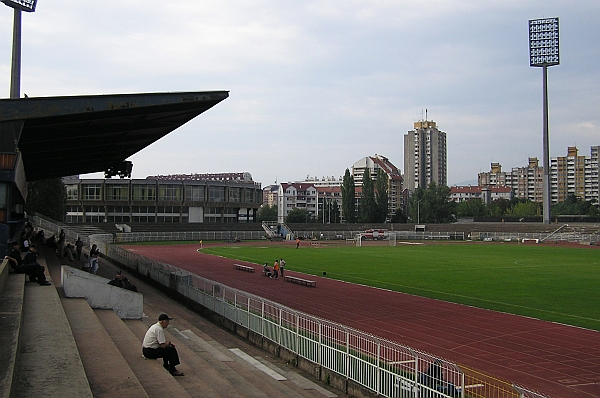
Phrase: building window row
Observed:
(172, 193)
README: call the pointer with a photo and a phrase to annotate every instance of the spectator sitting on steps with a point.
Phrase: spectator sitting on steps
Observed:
(51, 243)
(69, 252)
(122, 282)
(155, 345)
(28, 265)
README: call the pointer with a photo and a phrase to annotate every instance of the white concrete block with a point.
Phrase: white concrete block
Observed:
(99, 294)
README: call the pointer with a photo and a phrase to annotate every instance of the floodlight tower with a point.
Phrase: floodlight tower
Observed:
(15, 72)
(543, 52)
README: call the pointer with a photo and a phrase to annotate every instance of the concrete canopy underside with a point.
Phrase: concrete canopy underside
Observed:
(63, 136)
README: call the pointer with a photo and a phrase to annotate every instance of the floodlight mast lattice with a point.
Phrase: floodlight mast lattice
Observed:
(544, 52)
(15, 73)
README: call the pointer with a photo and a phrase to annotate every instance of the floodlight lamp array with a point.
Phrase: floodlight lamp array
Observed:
(23, 5)
(543, 42)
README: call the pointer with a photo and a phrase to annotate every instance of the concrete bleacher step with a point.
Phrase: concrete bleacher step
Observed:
(48, 363)
(108, 373)
(198, 380)
(157, 382)
(230, 375)
(11, 309)
(211, 369)
(214, 371)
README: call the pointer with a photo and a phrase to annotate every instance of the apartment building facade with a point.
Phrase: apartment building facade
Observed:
(270, 195)
(296, 195)
(575, 175)
(569, 175)
(425, 156)
(395, 180)
(198, 198)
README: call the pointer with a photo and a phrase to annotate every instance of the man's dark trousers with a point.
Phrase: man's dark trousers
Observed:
(169, 355)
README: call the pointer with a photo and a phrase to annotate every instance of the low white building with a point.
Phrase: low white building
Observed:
(485, 194)
(296, 195)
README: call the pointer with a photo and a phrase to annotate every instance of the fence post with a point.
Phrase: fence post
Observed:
(347, 367)
(319, 347)
(279, 328)
(297, 345)
(379, 386)
(262, 319)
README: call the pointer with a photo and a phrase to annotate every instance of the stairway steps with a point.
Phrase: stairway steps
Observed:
(212, 360)
(199, 380)
(157, 382)
(49, 363)
(11, 319)
(211, 368)
(108, 372)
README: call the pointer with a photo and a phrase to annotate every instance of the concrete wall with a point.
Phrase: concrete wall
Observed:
(97, 292)
(4, 269)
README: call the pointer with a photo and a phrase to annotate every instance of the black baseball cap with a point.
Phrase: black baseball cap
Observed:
(164, 317)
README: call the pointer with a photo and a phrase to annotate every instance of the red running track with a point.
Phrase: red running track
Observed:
(558, 360)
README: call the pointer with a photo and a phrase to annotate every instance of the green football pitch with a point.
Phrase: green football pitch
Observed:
(553, 283)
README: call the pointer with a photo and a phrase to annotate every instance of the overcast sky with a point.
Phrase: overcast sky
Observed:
(317, 85)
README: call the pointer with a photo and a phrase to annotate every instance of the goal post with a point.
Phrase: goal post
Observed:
(392, 239)
(358, 239)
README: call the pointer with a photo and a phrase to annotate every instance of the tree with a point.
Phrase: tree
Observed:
(498, 207)
(524, 209)
(368, 206)
(574, 205)
(399, 217)
(298, 215)
(348, 197)
(471, 208)
(432, 205)
(46, 197)
(381, 196)
(267, 213)
(330, 214)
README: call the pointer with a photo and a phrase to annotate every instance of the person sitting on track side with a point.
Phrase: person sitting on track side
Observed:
(267, 271)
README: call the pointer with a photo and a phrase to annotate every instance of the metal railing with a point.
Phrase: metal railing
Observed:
(228, 236)
(566, 237)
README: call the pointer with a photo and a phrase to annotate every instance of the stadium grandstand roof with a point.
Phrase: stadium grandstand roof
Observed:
(62, 136)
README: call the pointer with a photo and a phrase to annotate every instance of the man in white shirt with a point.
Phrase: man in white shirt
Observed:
(155, 345)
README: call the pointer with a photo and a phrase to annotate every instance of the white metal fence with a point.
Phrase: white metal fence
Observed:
(228, 236)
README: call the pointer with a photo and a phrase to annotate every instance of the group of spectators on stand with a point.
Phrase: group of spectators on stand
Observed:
(155, 344)
(28, 264)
